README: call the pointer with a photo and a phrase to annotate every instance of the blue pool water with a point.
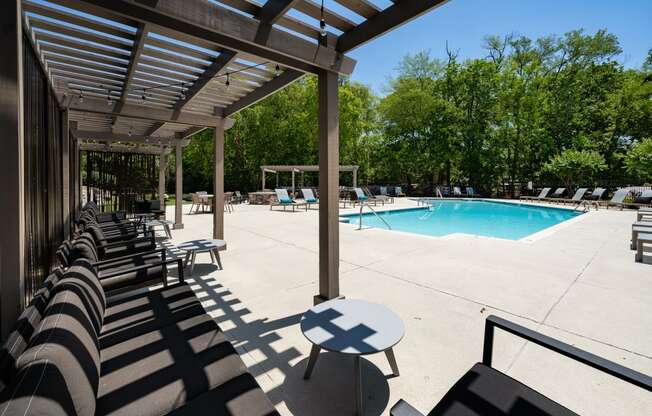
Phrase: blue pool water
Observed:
(477, 217)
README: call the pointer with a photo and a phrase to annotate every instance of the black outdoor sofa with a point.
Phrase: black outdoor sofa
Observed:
(485, 391)
(93, 342)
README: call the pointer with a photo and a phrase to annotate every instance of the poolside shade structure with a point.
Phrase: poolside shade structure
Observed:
(143, 76)
(304, 168)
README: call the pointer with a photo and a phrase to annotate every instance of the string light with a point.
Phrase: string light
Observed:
(143, 97)
(322, 21)
(108, 98)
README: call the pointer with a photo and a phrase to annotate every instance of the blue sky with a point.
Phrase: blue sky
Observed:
(464, 23)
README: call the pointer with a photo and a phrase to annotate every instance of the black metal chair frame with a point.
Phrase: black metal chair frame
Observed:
(402, 408)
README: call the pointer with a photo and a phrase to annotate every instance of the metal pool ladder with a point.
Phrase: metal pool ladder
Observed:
(364, 204)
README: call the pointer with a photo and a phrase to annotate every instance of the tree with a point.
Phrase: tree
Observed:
(574, 166)
(638, 161)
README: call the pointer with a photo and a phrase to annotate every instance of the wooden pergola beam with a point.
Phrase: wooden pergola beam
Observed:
(120, 148)
(114, 137)
(136, 51)
(200, 21)
(392, 17)
(269, 14)
(276, 84)
(99, 106)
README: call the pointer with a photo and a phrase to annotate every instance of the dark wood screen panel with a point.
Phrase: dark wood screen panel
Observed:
(43, 173)
(116, 180)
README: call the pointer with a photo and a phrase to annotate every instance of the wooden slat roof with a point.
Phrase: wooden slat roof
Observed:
(172, 58)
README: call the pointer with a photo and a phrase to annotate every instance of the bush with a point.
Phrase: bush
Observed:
(574, 166)
(638, 161)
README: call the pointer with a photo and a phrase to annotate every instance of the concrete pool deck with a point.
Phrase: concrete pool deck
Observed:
(578, 283)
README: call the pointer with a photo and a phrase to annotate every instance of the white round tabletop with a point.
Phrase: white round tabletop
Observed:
(351, 326)
(202, 245)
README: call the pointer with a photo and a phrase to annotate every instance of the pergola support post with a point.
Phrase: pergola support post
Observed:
(12, 238)
(178, 195)
(218, 181)
(329, 173)
(162, 165)
(355, 178)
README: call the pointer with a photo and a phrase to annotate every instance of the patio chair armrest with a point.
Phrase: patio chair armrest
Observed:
(128, 256)
(148, 266)
(403, 408)
(626, 374)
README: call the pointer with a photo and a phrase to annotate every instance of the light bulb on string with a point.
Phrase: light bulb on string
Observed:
(227, 83)
(322, 21)
(183, 91)
(81, 96)
(277, 70)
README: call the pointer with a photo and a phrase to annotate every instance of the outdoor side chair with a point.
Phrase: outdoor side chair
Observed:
(486, 391)
(284, 200)
(398, 191)
(457, 191)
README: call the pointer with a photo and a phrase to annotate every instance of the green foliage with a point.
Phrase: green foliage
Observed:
(487, 122)
(574, 166)
(638, 160)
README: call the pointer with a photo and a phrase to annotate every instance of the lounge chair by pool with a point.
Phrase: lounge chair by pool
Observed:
(398, 191)
(557, 195)
(383, 192)
(457, 192)
(284, 201)
(597, 194)
(373, 198)
(309, 196)
(577, 197)
(618, 198)
(544, 193)
(470, 192)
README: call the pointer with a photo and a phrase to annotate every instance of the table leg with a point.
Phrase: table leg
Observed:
(219, 260)
(212, 256)
(314, 354)
(167, 231)
(359, 404)
(392, 361)
(192, 261)
(187, 260)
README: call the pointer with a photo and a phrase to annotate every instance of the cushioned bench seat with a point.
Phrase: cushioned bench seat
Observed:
(111, 277)
(147, 353)
(484, 390)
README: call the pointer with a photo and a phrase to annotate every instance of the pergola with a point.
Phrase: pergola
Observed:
(145, 75)
(264, 169)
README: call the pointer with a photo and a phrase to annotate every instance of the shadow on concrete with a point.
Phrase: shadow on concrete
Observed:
(330, 390)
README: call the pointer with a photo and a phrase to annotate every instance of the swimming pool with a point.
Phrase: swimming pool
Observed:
(477, 217)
